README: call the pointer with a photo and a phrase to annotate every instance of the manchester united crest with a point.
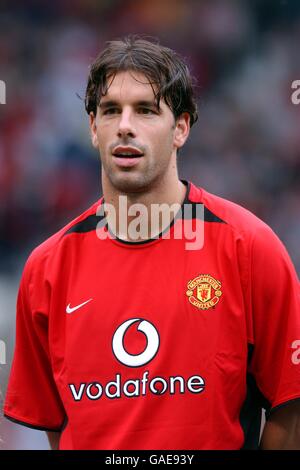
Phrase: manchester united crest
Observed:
(204, 291)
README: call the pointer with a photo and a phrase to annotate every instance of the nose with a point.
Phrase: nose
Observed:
(126, 126)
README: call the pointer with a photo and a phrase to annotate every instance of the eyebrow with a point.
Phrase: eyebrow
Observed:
(107, 104)
(110, 103)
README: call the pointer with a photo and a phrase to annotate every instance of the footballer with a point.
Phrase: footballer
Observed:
(133, 339)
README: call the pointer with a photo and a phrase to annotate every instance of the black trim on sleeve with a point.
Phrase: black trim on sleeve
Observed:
(32, 426)
(282, 405)
(251, 411)
(65, 423)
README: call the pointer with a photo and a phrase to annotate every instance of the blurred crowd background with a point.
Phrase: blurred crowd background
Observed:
(245, 147)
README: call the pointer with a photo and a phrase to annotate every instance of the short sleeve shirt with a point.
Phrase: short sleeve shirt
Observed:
(177, 342)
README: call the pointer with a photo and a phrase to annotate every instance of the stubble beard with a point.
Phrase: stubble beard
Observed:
(130, 181)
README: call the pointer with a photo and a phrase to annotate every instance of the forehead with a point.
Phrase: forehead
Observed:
(129, 86)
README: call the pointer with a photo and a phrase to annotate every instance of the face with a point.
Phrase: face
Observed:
(137, 142)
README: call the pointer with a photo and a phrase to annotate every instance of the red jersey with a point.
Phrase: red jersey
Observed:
(151, 345)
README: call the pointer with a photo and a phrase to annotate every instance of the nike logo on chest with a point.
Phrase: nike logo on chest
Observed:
(70, 309)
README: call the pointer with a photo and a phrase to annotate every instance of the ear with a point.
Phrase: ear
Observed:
(182, 130)
(93, 130)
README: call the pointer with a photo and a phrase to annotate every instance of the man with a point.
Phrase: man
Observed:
(128, 335)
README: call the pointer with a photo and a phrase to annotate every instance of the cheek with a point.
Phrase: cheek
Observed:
(163, 136)
(103, 135)
(165, 140)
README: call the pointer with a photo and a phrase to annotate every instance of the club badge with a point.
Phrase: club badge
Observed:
(204, 291)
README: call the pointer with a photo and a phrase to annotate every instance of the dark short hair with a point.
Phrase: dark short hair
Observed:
(164, 68)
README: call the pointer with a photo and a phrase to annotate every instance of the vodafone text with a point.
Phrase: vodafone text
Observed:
(137, 387)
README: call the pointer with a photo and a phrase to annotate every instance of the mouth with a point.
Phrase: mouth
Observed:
(126, 156)
(127, 152)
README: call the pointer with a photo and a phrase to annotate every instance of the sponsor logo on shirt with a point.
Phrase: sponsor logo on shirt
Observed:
(135, 360)
(204, 291)
(137, 386)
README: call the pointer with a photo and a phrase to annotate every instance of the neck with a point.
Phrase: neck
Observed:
(140, 211)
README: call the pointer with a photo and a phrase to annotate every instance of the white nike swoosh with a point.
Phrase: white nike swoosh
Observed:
(70, 309)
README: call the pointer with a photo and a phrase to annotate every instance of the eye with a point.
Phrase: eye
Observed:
(146, 111)
(110, 111)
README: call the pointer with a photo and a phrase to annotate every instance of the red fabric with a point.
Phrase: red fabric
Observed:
(189, 393)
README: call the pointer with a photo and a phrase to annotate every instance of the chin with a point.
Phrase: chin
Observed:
(131, 183)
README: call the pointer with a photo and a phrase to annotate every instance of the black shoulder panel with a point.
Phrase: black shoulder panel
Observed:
(86, 225)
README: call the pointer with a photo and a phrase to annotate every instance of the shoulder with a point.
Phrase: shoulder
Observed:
(263, 258)
(235, 216)
(48, 247)
(241, 223)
